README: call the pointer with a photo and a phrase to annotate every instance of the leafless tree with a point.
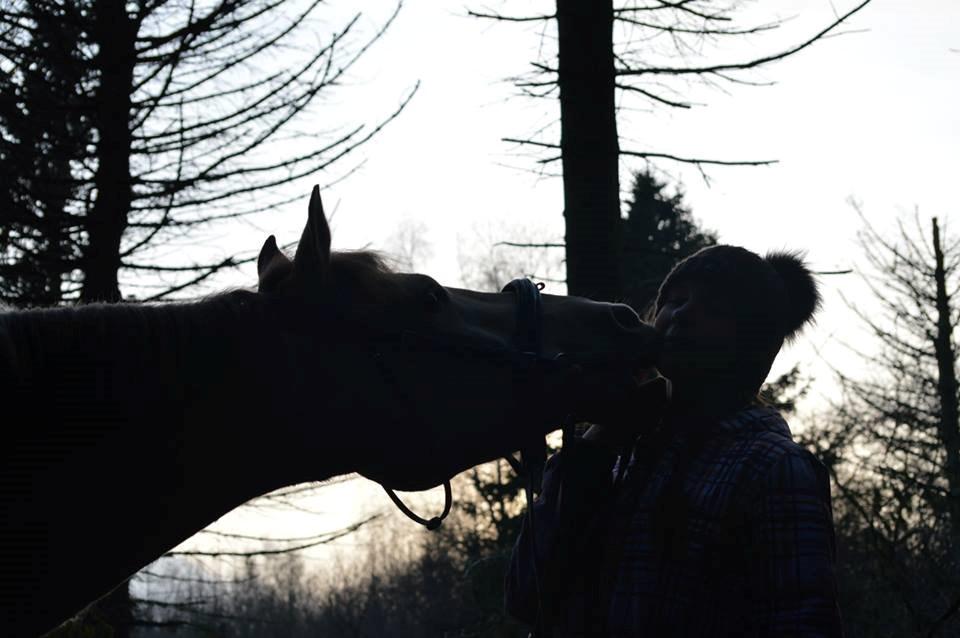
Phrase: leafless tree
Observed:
(409, 245)
(606, 56)
(893, 444)
(192, 112)
(496, 252)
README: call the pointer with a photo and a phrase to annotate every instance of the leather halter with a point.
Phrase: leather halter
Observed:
(529, 362)
(528, 340)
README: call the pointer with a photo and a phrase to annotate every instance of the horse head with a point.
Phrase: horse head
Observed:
(429, 379)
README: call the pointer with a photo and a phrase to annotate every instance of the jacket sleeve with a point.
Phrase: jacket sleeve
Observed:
(792, 575)
(576, 481)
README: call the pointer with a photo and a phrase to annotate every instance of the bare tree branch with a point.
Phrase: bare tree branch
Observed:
(321, 540)
(750, 64)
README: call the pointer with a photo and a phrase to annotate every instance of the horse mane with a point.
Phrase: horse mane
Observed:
(356, 274)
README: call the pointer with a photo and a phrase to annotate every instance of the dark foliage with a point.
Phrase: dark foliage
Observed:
(44, 132)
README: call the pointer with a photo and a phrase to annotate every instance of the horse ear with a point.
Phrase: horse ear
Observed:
(313, 252)
(267, 253)
(272, 265)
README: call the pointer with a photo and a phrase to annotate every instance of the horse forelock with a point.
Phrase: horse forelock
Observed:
(364, 264)
(363, 273)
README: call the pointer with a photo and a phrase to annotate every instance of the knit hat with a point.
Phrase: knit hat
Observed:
(772, 298)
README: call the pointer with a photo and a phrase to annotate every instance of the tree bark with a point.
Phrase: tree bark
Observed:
(589, 148)
(115, 35)
(947, 389)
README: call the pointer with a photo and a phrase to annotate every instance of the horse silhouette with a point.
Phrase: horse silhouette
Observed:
(129, 427)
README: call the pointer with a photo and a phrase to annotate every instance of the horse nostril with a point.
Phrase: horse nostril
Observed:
(624, 315)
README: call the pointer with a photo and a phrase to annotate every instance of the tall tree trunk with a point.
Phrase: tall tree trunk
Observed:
(590, 148)
(115, 34)
(947, 389)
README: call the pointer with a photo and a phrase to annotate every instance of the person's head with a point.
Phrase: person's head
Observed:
(725, 312)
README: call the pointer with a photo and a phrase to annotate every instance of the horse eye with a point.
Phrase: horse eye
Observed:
(432, 301)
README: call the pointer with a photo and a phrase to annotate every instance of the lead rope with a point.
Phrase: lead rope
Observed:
(431, 524)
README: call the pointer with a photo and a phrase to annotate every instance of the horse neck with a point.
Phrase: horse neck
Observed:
(142, 425)
(206, 376)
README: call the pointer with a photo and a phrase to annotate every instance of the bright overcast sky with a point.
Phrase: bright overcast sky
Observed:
(873, 114)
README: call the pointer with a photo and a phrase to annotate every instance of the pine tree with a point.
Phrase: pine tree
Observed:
(44, 132)
(659, 231)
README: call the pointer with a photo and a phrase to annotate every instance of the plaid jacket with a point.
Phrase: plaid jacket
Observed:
(717, 529)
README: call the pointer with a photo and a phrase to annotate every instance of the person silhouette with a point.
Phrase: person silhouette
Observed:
(700, 516)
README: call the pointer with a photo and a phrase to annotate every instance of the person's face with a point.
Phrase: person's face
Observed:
(699, 331)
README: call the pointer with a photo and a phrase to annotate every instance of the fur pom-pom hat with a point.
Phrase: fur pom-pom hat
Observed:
(803, 296)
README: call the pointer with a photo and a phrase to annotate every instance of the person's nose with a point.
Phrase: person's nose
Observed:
(682, 315)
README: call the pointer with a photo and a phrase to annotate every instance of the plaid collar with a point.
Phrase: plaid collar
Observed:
(753, 419)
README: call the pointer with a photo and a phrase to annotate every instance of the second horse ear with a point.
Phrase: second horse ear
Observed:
(312, 260)
(272, 266)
